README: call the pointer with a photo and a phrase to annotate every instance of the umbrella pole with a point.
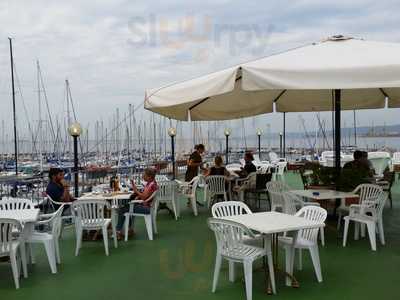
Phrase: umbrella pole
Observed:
(284, 134)
(337, 133)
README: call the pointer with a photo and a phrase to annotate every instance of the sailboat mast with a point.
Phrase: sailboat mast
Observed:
(355, 128)
(40, 121)
(14, 113)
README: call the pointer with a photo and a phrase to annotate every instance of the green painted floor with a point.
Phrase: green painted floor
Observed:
(179, 263)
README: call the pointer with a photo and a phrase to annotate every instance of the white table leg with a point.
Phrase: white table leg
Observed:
(270, 255)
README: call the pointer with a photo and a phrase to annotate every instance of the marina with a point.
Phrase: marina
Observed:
(214, 150)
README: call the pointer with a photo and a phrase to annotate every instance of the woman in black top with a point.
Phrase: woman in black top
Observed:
(218, 168)
(194, 162)
(249, 167)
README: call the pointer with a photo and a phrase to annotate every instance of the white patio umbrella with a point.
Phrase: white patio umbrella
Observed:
(339, 73)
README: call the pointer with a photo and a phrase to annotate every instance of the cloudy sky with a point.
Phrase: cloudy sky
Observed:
(112, 50)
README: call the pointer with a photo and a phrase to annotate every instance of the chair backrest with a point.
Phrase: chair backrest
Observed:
(368, 191)
(375, 205)
(379, 160)
(256, 158)
(396, 157)
(277, 200)
(273, 157)
(56, 222)
(201, 180)
(90, 212)
(312, 213)
(215, 184)
(229, 208)
(291, 202)
(15, 204)
(229, 237)
(242, 162)
(281, 167)
(380, 204)
(277, 186)
(166, 190)
(154, 200)
(8, 227)
(161, 178)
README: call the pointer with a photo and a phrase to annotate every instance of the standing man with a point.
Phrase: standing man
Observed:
(194, 162)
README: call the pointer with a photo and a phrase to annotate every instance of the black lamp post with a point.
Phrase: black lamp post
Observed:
(259, 133)
(75, 131)
(227, 133)
(280, 144)
(172, 134)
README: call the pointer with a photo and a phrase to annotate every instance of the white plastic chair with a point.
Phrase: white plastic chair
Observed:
(55, 204)
(149, 219)
(260, 163)
(188, 190)
(291, 204)
(396, 158)
(273, 157)
(8, 203)
(89, 215)
(9, 246)
(305, 239)
(215, 186)
(280, 171)
(49, 239)
(229, 208)
(365, 191)
(275, 190)
(243, 184)
(161, 178)
(234, 208)
(167, 195)
(379, 160)
(369, 212)
(230, 246)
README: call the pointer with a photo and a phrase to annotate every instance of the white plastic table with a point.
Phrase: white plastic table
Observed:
(323, 194)
(106, 196)
(22, 215)
(27, 217)
(270, 224)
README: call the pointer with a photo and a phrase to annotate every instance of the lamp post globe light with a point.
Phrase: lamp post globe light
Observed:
(172, 134)
(259, 132)
(227, 133)
(75, 131)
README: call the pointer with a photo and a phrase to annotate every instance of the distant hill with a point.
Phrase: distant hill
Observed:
(365, 130)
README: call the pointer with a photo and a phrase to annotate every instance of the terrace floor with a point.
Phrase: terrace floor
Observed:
(179, 264)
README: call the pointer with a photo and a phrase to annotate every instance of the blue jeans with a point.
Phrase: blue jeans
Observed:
(138, 209)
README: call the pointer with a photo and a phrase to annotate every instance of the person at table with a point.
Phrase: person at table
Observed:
(57, 188)
(248, 167)
(365, 160)
(194, 162)
(149, 176)
(218, 168)
(360, 163)
(358, 170)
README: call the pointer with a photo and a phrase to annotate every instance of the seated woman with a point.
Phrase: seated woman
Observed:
(218, 168)
(149, 176)
(249, 167)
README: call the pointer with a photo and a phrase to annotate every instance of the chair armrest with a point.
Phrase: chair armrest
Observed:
(311, 204)
(136, 201)
(62, 203)
(43, 222)
(43, 216)
(179, 182)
